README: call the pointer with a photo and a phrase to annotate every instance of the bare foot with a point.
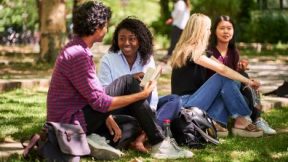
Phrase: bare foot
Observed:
(138, 144)
(139, 147)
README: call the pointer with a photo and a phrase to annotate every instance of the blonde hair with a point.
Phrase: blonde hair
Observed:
(193, 41)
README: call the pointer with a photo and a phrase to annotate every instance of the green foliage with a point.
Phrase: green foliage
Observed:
(214, 8)
(270, 26)
(146, 11)
(159, 25)
(19, 14)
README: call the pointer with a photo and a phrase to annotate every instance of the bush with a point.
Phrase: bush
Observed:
(269, 27)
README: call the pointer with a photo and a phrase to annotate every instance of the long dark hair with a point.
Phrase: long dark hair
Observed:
(232, 43)
(142, 33)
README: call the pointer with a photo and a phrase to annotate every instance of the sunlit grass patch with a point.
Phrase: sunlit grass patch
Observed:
(23, 112)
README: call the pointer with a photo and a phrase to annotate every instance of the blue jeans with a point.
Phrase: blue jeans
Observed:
(168, 107)
(220, 97)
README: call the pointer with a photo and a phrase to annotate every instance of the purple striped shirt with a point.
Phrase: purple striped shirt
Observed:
(74, 84)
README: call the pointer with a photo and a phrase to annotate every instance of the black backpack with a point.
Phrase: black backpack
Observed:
(281, 91)
(194, 128)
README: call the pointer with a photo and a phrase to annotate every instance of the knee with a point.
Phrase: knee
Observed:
(225, 80)
(131, 83)
(175, 99)
(172, 97)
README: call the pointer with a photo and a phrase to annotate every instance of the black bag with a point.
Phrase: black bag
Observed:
(194, 128)
(281, 91)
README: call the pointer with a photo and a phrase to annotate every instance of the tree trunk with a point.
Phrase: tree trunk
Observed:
(52, 28)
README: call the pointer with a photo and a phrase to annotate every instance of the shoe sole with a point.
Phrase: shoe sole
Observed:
(164, 156)
(245, 133)
(102, 152)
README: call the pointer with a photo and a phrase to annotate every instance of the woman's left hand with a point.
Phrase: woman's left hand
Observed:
(113, 128)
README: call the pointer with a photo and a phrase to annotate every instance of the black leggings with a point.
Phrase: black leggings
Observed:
(256, 113)
(128, 124)
(139, 111)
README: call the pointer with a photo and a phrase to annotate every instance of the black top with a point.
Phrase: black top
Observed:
(187, 79)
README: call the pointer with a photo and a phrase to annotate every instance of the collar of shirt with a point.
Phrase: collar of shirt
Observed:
(137, 62)
(80, 41)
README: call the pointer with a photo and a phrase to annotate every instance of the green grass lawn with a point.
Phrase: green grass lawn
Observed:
(23, 112)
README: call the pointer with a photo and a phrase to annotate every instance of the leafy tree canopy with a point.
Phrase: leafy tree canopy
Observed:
(20, 14)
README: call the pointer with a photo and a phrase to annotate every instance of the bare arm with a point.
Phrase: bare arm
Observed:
(223, 70)
(121, 101)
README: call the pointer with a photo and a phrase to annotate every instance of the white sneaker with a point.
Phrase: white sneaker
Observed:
(101, 150)
(262, 124)
(168, 149)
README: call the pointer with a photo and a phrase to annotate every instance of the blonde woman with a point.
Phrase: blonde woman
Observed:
(219, 96)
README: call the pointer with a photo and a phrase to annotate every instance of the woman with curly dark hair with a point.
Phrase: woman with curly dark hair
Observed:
(131, 53)
(143, 36)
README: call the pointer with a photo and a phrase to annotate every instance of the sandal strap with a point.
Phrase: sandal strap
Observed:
(252, 128)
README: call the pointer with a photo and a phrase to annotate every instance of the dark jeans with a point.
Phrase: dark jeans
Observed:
(175, 35)
(168, 107)
(128, 124)
(139, 110)
(256, 113)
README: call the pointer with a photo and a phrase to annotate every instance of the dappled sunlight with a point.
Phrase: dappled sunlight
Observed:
(243, 155)
(280, 155)
(21, 112)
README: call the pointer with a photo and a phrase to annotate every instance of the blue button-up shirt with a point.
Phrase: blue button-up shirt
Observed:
(115, 65)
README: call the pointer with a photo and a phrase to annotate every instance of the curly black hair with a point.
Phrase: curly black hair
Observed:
(90, 16)
(142, 33)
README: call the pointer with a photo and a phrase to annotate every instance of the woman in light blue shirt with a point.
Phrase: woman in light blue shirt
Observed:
(131, 53)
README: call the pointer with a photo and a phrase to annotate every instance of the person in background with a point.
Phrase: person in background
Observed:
(131, 53)
(223, 48)
(220, 95)
(76, 94)
(179, 18)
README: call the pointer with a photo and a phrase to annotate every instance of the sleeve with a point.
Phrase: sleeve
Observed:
(105, 72)
(154, 95)
(84, 79)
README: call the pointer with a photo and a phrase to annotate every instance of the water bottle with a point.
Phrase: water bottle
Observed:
(166, 126)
